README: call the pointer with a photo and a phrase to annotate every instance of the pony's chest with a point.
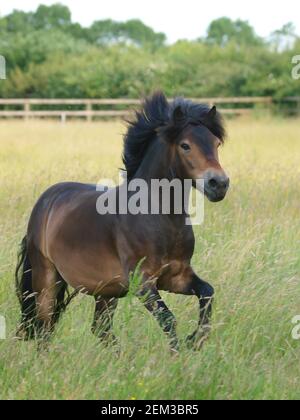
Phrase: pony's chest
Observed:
(178, 244)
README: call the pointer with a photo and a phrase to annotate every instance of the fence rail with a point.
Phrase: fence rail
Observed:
(35, 108)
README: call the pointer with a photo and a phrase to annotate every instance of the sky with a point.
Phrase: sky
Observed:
(178, 19)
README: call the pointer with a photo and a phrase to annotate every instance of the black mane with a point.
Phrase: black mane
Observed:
(158, 114)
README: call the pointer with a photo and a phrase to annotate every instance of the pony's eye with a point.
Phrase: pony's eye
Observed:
(185, 147)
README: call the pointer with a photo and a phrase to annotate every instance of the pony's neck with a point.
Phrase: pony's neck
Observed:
(157, 163)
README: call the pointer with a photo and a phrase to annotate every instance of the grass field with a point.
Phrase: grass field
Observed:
(248, 249)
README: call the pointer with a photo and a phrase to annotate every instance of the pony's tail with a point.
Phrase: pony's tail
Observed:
(25, 294)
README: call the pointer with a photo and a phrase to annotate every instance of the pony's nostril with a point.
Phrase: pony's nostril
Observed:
(224, 183)
(213, 183)
(218, 183)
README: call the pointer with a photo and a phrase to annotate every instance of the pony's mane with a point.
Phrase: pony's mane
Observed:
(157, 114)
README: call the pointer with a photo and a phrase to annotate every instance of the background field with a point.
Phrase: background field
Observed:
(248, 249)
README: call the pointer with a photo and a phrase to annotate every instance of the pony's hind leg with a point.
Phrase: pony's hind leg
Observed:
(103, 319)
(47, 286)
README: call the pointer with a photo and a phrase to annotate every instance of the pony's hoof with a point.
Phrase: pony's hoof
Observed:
(190, 341)
(196, 341)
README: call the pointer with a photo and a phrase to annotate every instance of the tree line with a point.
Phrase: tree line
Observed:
(48, 55)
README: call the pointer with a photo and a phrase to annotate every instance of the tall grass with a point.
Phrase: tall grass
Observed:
(248, 248)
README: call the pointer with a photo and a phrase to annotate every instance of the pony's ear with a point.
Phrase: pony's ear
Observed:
(173, 127)
(210, 117)
(212, 113)
(178, 115)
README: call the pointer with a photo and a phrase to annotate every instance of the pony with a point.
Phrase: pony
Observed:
(68, 243)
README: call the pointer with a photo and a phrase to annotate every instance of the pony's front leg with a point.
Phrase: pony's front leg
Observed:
(153, 302)
(103, 319)
(205, 293)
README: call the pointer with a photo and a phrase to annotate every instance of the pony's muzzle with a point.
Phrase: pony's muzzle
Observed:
(216, 186)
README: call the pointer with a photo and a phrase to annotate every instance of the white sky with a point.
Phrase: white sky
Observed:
(177, 18)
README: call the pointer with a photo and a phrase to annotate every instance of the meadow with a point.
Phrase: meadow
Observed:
(248, 248)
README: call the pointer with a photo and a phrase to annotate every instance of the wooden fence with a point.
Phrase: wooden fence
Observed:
(103, 108)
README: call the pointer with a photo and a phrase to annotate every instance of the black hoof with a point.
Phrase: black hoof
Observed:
(196, 340)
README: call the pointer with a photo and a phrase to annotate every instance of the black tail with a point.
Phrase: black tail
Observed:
(25, 294)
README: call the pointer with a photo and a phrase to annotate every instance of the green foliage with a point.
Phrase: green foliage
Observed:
(48, 55)
(224, 30)
(52, 17)
(17, 21)
(132, 32)
(23, 50)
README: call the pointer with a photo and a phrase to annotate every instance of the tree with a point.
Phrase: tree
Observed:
(49, 17)
(284, 38)
(23, 50)
(142, 34)
(224, 30)
(104, 32)
(18, 21)
(77, 31)
(107, 32)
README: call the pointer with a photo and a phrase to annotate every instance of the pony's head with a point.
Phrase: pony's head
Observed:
(197, 132)
(193, 133)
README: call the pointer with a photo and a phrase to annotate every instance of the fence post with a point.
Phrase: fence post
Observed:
(89, 109)
(27, 108)
(63, 118)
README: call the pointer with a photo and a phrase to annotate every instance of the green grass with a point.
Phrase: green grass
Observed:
(248, 249)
